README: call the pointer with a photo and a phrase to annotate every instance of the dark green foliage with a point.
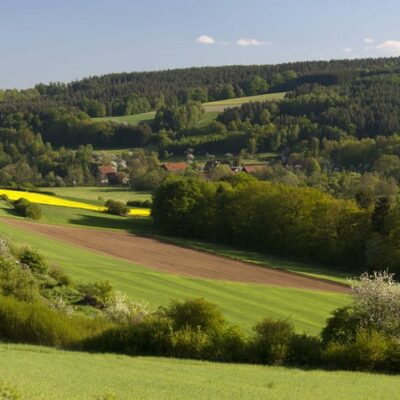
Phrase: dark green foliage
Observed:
(195, 314)
(116, 208)
(304, 350)
(341, 327)
(271, 342)
(379, 214)
(139, 203)
(96, 294)
(295, 222)
(27, 209)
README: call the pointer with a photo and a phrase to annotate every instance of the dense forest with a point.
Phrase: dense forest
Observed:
(336, 129)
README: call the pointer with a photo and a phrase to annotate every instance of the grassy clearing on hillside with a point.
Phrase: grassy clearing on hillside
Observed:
(242, 304)
(44, 373)
(219, 106)
(135, 119)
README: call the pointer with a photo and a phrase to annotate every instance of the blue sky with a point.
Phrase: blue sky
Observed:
(62, 40)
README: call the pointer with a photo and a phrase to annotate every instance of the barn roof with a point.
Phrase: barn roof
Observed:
(174, 166)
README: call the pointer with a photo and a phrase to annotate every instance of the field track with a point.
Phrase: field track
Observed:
(173, 259)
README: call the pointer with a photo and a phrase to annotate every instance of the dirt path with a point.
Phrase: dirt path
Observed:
(173, 259)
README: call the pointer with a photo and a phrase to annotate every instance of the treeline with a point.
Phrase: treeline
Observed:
(129, 93)
(297, 223)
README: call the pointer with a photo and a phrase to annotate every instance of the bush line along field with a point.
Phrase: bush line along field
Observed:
(242, 304)
(160, 378)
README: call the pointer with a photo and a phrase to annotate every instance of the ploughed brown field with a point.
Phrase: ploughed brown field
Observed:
(174, 259)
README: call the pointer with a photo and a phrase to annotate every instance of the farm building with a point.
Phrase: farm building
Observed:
(106, 173)
(174, 166)
(253, 169)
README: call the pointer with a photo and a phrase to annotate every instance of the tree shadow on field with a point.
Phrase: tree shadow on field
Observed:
(135, 225)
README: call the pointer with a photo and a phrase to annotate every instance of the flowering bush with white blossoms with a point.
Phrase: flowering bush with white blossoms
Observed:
(377, 302)
(121, 309)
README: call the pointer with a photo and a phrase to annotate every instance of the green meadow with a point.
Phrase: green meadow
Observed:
(49, 374)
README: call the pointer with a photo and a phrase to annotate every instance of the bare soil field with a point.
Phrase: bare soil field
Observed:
(174, 259)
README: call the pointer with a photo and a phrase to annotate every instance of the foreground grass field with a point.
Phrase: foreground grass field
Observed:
(47, 374)
(242, 304)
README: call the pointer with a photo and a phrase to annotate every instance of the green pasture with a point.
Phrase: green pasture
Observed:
(49, 374)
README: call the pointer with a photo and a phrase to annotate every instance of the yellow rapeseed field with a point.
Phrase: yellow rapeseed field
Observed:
(58, 201)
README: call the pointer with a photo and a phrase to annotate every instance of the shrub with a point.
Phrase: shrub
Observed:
(341, 327)
(368, 351)
(35, 323)
(271, 342)
(139, 203)
(116, 208)
(97, 294)
(151, 336)
(304, 350)
(27, 209)
(229, 345)
(34, 260)
(4, 197)
(122, 310)
(195, 314)
(17, 281)
(189, 343)
(9, 392)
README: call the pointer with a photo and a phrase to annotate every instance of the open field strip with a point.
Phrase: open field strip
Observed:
(242, 303)
(212, 107)
(60, 202)
(49, 374)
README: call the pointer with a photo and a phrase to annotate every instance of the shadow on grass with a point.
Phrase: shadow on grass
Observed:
(136, 225)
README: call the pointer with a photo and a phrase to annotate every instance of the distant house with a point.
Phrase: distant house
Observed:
(253, 169)
(106, 173)
(174, 166)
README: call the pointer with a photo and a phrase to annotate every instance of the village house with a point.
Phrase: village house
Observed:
(106, 173)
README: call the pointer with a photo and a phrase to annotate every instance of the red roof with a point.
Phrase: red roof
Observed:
(251, 169)
(174, 166)
(107, 169)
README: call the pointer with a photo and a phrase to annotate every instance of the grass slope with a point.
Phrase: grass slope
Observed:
(135, 119)
(243, 304)
(42, 373)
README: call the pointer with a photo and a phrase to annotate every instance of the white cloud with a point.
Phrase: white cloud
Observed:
(390, 47)
(250, 42)
(347, 49)
(369, 40)
(205, 39)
